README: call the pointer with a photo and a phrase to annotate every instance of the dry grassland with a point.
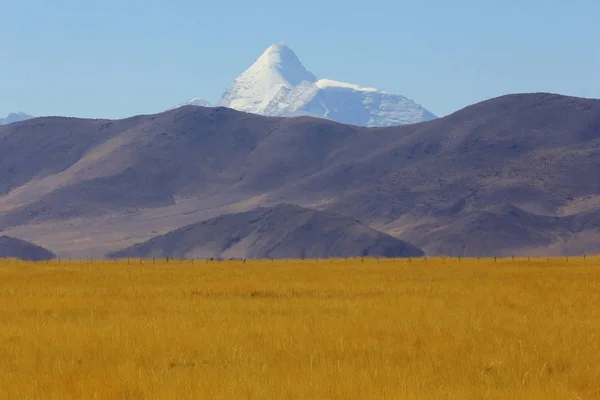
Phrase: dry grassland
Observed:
(435, 329)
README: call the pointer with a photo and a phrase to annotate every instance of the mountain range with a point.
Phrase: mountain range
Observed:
(277, 84)
(14, 117)
(516, 174)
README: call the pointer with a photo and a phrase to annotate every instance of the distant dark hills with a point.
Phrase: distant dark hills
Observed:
(15, 248)
(282, 231)
(517, 175)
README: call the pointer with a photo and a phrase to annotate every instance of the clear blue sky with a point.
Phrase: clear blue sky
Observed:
(115, 58)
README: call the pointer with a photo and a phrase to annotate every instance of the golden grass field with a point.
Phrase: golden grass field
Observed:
(394, 329)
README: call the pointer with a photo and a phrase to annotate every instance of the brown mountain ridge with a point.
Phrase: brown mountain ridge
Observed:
(88, 187)
(281, 231)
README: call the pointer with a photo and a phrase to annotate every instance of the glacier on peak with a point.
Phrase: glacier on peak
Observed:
(327, 83)
(278, 84)
(277, 70)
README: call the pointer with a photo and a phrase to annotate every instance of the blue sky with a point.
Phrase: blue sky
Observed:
(112, 59)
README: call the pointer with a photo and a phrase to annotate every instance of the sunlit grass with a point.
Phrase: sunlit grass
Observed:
(388, 329)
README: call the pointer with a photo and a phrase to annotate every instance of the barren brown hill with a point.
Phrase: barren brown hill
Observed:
(83, 187)
(282, 231)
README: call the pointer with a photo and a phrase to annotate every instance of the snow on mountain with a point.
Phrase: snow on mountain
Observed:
(276, 71)
(277, 84)
(328, 83)
(196, 101)
(14, 117)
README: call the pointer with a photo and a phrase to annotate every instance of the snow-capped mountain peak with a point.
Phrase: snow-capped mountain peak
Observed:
(280, 62)
(277, 84)
(277, 69)
(195, 101)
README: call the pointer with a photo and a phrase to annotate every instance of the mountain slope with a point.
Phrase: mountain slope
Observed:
(196, 101)
(283, 231)
(15, 248)
(277, 84)
(277, 69)
(14, 117)
(86, 187)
